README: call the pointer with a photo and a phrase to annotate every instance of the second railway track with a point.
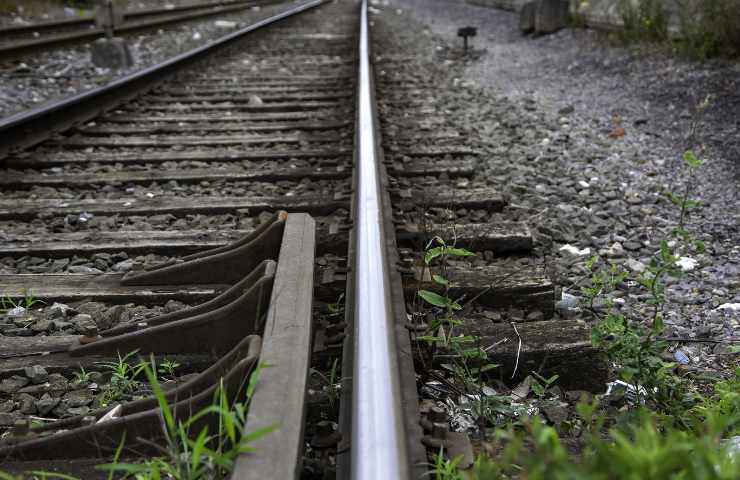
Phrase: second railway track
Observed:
(270, 201)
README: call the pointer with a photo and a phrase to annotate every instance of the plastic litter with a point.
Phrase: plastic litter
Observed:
(681, 357)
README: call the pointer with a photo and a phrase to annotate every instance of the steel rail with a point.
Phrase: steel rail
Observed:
(378, 448)
(15, 50)
(33, 126)
(89, 21)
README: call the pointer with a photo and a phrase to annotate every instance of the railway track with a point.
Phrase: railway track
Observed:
(22, 40)
(266, 199)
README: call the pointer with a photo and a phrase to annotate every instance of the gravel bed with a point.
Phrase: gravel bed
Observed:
(56, 74)
(547, 113)
(35, 11)
(118, 262)
(173, 189)
(81, 318)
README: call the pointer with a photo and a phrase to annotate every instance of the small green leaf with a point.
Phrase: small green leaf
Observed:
(691, 160)
(440, 280)
(700, 247)
(459, 252)
(433, 253)
(433, 298)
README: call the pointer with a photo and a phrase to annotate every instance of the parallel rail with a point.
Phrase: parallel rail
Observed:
(28, 128)
(87, 31)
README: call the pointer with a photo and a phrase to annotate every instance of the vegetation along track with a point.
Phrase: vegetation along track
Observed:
(19, 40)
(295, 198)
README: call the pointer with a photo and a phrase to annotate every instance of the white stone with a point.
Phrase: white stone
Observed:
(584, 184)
(687, 264)
(575, 250)
(16, 312)
(224, 24)
(635, 265)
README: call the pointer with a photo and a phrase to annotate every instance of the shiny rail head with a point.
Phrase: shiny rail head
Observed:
(378, 432)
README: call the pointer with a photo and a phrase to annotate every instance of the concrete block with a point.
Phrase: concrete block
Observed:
(551, 16)
(112, 53)
(527, 16)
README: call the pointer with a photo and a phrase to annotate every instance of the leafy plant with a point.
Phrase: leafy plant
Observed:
(82, 376)
(332, 380)
(168, 367)
(437, 254)
(644, 20)
(540, 385)
(444, 469)
(197, 455)
(123, 379)
(28, 301)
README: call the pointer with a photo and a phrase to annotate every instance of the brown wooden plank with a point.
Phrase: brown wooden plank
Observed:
(223, 118)
(279, 399)
(479, 198)
(91, 242)
(395, 151)
(182, 176)
(478, 237)
(257, 89)
(26, 209)
(421, 168)
(561, 347)
(525, 287)
(80, 141)
(170, 243)
(113, 129)
(266, 107)
(39, 161)
(251, 79)
(234, 97)
(102, 287)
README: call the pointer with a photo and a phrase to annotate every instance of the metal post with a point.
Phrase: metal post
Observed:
(109, 32)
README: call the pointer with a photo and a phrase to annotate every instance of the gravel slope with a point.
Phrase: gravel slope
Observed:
(546, 110)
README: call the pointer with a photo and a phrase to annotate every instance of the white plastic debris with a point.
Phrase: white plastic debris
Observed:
(575, 250)
(112, 414)
(681, 357)
(583, 184)
(729, 306)
(630, 391)
(224, 24)
(687, 264)
(197, 36)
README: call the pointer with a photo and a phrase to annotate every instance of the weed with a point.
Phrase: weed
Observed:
(645, 20)
(123, 381)
(540, 385)
(446, 469)
(28, 301)
(201, 455)
(439, 252)
(82, 376)
(167, 368)
(708, 28)
(333, 382)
